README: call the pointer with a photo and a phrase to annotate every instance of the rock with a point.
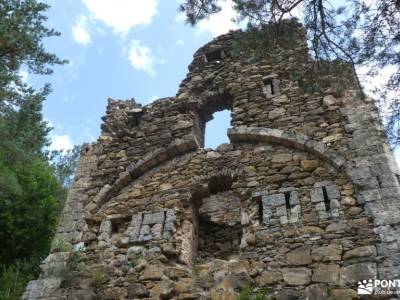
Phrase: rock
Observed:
(288, 294)
(163, 289)
(351, 274)
(316, 292)
(268, 277)
(363, 251)
(196, 78)
(223, 295)
(241, 266)
(183, 285)
(85, 294)
(168, 249)
(152, 272)
(280, 99)
(309, 165)
(312, 230)
(281, 158)
(329, 100)
(175, 272)
(332, 252)
(336, 227)
(296, 276)
(348, 201)
(332, 138)
(235, 281)
(354, 211)
(326, 273)
(344, 294)
(299, 256)
(134, 252)
(136, 290)
(165, 186)
(213, 154)
(276, 113)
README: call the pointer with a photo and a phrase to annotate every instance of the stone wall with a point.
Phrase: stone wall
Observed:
(303, 201)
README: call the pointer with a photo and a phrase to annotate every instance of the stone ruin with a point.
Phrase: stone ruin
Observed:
(304, 201)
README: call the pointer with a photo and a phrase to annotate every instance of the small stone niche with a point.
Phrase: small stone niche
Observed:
(216, 55)
(326, 197)
(284, 207)
(271, 85)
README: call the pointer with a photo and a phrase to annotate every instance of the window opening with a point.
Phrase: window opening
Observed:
(269, 86)
(214, 56)
(326, 199)
(217, 128)
(287, 200)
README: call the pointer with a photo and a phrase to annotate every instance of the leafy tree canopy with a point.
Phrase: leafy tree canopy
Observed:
(32, 186)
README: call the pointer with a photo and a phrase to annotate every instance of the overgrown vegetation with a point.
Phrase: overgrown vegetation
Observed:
(360, 33)
(98, 278)
(33, 181)
(251, 293)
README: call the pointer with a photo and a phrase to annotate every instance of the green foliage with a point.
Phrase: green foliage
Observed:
(64, 164)
(13, 278)
(251, 293)
(22, 30)
(29, 185)
(28, 220)
(60, 245)
(98, 278)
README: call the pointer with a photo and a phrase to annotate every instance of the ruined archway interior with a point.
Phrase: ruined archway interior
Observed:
(218, 217)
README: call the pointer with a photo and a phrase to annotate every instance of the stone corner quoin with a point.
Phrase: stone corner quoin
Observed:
(305, 200)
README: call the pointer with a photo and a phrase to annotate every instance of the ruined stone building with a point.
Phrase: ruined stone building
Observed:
(304, 200)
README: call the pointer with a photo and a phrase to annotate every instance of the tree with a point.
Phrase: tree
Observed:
(360, 33)
(29, 183)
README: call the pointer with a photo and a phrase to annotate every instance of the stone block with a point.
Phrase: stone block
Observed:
(296, 276)
(274, 200)
(332, 191)
(267, 213)
(156, 231)
(316, 292)
(294, 198)
(137, 290)
(268, 277)
(363, 251)
(332, 252)
(326, 274)
(283, 220)
(317, 195)
(152, 272)
(351, 274)
(153, 218)
(281, 211)
(309, 165)
(344, 294)
(299, 257)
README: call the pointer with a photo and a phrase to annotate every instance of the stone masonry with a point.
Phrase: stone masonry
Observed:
(304, 201)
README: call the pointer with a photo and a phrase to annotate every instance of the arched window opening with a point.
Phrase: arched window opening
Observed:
(217, 128)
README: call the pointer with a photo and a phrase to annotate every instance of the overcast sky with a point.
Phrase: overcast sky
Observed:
(120, 49)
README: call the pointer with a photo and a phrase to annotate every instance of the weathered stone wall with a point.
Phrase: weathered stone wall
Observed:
(305, 200)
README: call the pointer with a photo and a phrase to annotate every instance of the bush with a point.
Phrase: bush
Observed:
(14, 278)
